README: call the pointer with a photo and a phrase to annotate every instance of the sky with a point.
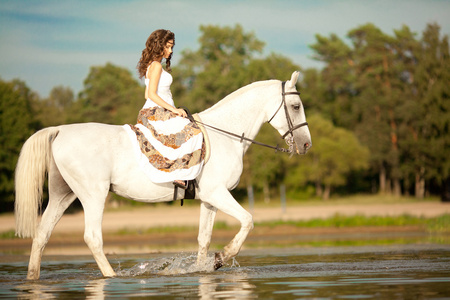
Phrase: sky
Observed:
(48, 43)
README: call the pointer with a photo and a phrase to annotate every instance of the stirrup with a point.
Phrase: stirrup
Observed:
(181, 185)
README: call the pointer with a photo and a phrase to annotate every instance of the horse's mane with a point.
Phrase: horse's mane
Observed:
(236, 94)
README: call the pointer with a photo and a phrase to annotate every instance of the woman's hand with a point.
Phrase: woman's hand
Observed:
(181, 112)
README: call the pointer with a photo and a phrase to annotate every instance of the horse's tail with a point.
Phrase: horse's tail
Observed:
(31, 169)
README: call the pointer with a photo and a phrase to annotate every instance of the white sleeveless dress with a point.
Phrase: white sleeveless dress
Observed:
(167, 147)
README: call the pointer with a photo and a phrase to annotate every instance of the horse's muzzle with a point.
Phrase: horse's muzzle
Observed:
(303, 149)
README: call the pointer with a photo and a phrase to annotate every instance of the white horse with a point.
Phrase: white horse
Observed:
(86, 161)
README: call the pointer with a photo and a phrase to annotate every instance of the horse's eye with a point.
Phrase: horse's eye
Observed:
(296, 106)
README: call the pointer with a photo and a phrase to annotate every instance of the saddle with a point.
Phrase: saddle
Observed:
(192, 184)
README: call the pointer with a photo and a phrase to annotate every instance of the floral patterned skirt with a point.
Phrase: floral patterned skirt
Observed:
(167, 146)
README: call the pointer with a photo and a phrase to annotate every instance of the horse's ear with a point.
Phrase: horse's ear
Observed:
(294, 78)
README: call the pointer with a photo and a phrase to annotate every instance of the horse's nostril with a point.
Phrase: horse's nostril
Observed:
(306, 145)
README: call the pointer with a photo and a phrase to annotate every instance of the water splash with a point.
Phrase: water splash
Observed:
(176, 265)
(234, 263)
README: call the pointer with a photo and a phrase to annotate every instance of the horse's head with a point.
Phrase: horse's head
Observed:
(289, 117)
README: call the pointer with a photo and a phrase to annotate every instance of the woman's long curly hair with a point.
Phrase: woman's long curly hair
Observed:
(154, 50)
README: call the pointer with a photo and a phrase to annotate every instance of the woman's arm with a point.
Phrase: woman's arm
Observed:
(154, 74)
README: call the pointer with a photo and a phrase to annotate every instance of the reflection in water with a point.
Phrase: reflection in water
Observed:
(95, 289)
(33, 290)
(230, 287)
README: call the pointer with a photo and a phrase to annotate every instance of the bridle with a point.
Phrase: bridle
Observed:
(291, 126)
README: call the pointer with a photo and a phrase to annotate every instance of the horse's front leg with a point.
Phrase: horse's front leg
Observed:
(207, 216)
(223, 200)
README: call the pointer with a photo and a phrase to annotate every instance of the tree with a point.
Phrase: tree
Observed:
(263, 167)
(378, 98)
(16, 125)
(274, 66)
(314, 93)
(432, 124)
(55, 110)
(225, 62)
(337, 101)
(217, 68)
(392, 92)
(336, 152)
(408, 56)
(111, 95)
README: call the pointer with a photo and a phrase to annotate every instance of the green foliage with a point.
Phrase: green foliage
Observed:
(221, 225)
(217, 68)
(150, 230)
(335, 153)
(431, 79)
(55, 110)
(334, 87)
(263, 166)
(225, 62)
(433, 224)
(393, 92)
(16, 125)
(8, 235)
(274, 66)
(439, 224)
(111, 95)
(389, 91)
(314, 93)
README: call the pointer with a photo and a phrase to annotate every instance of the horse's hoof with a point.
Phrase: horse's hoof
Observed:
(32, 276)
(218, 261)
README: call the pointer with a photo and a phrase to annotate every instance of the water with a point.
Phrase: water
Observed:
(365, 272)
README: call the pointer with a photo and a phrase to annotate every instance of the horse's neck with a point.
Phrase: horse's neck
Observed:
(241, 112)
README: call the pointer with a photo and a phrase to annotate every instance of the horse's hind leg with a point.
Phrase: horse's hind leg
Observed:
(60, 198)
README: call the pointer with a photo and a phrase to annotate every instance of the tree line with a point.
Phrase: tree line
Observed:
(378, 110)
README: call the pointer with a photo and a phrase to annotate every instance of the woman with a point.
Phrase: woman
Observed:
(159, 45)
(171, 147)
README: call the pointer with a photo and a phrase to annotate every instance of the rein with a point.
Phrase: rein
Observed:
(243, 138)
(289, 121)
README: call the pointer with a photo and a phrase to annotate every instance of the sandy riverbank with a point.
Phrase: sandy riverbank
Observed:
(67, 237)
(188, 215)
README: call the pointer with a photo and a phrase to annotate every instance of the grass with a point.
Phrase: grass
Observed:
(219, 225)
(440, 224)
(6, 235)
(275, 201)
(150, 230)
(339, 221)
(435, 224)
(351, 199)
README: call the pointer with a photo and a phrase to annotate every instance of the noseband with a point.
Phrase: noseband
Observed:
(288, 118)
